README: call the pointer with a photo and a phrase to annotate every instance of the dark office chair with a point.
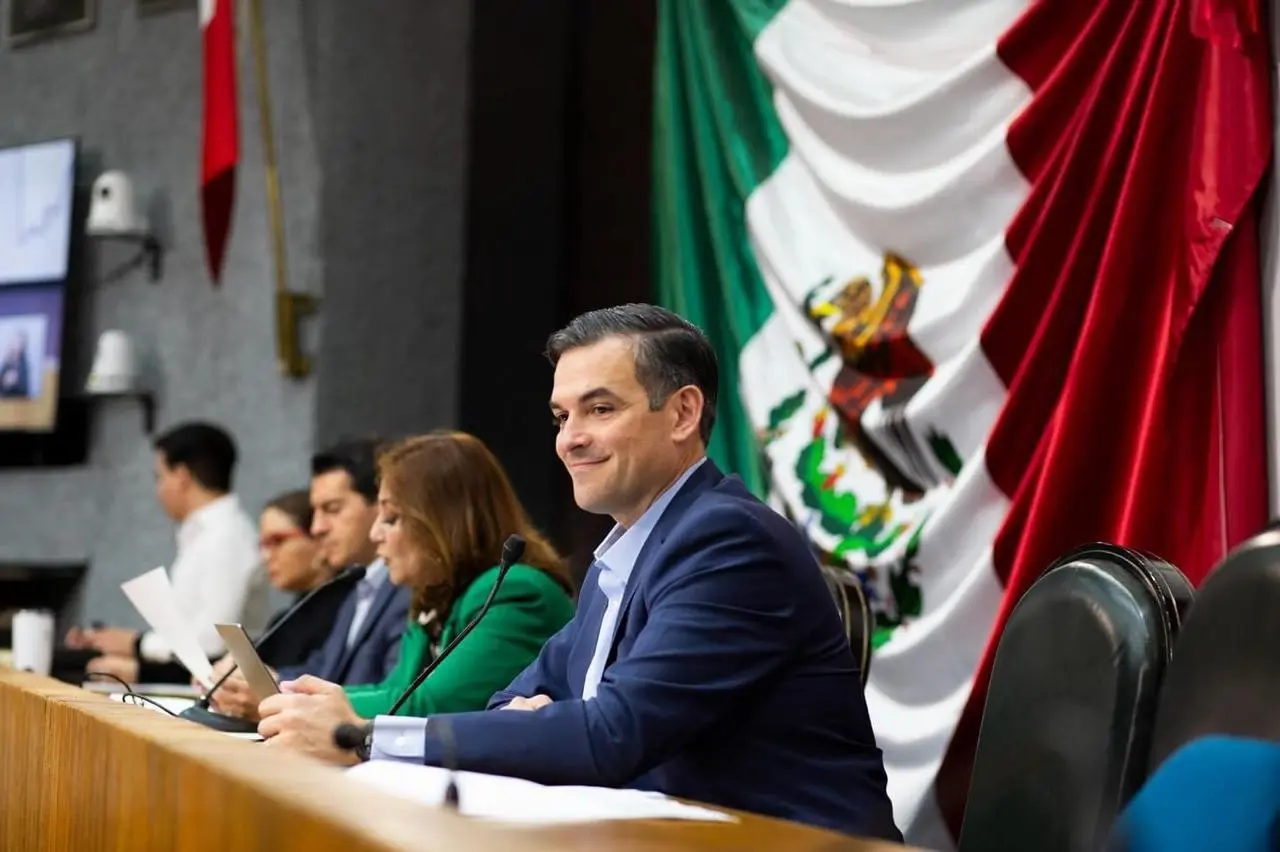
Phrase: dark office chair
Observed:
(855, 612)
(1225, 673)
(1073, 690)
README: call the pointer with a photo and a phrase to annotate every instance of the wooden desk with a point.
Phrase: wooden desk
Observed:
(81, 772)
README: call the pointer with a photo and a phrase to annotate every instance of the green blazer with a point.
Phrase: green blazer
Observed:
(529, 609)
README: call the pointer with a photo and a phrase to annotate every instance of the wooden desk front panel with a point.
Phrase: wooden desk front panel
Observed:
(81, 772)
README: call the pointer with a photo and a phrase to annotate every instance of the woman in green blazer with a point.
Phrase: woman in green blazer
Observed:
(445, 507)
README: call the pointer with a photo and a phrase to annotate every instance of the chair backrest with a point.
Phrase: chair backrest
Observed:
(1066, 728)
(1225, 673)
(855, 612)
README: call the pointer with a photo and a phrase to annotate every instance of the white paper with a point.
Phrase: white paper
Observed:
(153, 596)
(512, 800)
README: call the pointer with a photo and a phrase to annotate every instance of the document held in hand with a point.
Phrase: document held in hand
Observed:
(152, 595)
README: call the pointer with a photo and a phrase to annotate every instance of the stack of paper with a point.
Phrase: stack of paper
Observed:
(513, 800)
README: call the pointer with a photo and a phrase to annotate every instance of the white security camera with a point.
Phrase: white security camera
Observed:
(113, 208)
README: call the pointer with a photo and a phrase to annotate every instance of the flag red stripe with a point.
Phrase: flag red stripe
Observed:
(221, 140)
(1242, 378)
(217, 198)
(1124, 300)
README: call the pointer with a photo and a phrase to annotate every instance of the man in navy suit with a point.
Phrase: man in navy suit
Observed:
(706, 659)
(364, 642)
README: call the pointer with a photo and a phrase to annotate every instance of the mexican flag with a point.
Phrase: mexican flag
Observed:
(983, 278)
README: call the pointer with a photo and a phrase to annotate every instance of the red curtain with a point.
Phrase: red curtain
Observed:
(1130, 334)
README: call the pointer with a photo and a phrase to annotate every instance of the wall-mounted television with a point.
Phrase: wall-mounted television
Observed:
(39, 212)
(37, 193)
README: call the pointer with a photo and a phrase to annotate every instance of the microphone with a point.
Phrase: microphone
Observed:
(512, 550)
(351, 737)
(200, 712)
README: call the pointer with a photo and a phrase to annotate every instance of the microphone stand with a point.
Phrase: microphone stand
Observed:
(452, 799)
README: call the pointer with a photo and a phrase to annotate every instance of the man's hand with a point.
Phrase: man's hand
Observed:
(303, 718)
(76, 639)
(113, 640)
(125, 668)
(535, 703)
(234, 698)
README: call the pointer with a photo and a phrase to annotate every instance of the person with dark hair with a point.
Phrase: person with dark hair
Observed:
(294, 565)
(15, 369)
(705, 660)
(288, 551)
(363, 644)
(217, 574)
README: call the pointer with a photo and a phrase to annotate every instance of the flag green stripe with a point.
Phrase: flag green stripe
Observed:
(716, 137)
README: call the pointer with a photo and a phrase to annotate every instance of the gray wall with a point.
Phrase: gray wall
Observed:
(386, 94)
(390, 94)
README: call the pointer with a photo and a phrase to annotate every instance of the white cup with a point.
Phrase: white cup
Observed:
(33, 641)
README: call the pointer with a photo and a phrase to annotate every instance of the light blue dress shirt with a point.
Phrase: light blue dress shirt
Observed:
(374, 576)
(617, 556)
(404, 738)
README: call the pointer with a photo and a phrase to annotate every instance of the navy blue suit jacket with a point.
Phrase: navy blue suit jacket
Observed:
(376, 648)
(730, 679)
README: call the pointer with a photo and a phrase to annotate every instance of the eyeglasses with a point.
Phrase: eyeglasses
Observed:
(271, 542)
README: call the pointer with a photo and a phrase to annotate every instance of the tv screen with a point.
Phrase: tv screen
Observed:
(37, 188)
(30, 357)
(37, 193)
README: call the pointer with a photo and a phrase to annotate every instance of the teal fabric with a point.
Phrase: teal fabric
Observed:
(1216, 794)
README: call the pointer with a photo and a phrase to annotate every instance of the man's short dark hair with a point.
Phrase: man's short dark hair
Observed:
(670, 352)
(202, 448)
(358, 458)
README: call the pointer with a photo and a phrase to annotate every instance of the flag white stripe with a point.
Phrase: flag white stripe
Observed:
(896, 115)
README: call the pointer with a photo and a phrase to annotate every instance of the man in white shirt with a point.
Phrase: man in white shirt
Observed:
(217, 574)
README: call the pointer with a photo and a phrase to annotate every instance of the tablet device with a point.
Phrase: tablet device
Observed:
(255, 672)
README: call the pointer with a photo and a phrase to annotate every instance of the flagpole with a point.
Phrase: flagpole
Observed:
(291, 306)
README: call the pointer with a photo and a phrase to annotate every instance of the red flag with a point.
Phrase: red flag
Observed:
(1129, 334)
(1229, 21)
(221, 134)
